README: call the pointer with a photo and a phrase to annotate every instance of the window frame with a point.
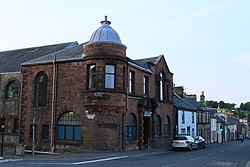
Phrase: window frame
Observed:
(131, 128)
(41, 89)
(145, 86)
(167, 128)
(157, 126)
(91, 77)
(106, 80)
(13, 88)
(131, 82)
(69, 127)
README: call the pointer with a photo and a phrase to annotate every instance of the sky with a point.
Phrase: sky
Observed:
(206, 43)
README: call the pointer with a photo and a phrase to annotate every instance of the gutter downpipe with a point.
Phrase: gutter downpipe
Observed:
(53, 105)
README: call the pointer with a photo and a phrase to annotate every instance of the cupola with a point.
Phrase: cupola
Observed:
(105, 34)
(105, 41)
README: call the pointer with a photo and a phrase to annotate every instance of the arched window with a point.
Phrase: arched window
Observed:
(41, 89)
(12, 90)
(167, 126)
(69, 127)
(131, 127)
(157, 125)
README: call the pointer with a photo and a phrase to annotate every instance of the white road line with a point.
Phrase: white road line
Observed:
(10, 160)
(248, 164)
(191, 159)
(99, 160)
(79, 163)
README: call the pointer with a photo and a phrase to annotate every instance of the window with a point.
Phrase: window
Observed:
(193, 132)
(188, 130)
(192, 117)
(205, 120)
(131, 127)
(91, 76)
(16, 125)
(45, 131)
(145, 86)
(131, 82)
(41, 89)
(109, 76)
(157, 125)
(183, 131)
(183, 117)
(167, 126)
(69, 127)
(160, 86)
(12, 90)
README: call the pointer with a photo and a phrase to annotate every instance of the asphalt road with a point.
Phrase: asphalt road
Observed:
(232, 154)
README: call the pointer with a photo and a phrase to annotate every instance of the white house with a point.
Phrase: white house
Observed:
(186, 116)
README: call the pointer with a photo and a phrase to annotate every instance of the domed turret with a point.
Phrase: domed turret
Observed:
(105, 41)
(105, 34)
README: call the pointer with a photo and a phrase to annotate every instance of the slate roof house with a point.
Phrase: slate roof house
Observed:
(88, 96)
(185, 114)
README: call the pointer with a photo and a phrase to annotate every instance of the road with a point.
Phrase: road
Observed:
(232, 154)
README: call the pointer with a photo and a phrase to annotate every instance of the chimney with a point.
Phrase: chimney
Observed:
(179, 91)
(192, 96)
(202, 97)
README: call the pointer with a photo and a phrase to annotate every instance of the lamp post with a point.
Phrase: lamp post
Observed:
(2, 129)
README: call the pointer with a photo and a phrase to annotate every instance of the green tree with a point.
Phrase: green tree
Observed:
(221, 104)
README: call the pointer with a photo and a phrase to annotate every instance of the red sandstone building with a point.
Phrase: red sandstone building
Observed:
(91, 96)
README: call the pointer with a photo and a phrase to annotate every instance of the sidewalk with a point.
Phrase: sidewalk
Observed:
(82, 156)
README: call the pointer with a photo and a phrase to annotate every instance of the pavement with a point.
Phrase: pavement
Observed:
(83, 156)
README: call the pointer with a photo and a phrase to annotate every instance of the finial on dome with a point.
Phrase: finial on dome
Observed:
(106, 21)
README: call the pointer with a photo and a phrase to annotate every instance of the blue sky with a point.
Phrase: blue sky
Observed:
(206, 43)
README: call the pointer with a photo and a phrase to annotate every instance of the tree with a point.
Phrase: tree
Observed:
(221, 104)
(245, 106)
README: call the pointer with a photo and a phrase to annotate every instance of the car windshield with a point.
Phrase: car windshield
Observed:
(180, 138)
(196, 138)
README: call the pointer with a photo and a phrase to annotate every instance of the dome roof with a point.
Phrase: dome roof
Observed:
(105, 34)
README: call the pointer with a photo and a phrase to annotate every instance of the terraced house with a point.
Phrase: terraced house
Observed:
(90, 96)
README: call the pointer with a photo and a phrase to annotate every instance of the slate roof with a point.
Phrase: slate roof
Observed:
(144, 62)
(11, 60)
(181, 103)
(70, 53)
(194, 103)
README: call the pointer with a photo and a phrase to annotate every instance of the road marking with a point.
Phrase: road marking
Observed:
(191, 159)
(79, 163)
(99, 160)
(10, 160)
(248, 164)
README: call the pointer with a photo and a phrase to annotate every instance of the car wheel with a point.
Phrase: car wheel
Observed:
(191, 147)
(173, 149)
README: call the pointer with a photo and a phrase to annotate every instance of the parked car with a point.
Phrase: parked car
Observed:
(200, 141)
(184, 142)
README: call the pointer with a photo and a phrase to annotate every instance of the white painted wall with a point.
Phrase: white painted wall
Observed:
(188, 122)
(214, 130)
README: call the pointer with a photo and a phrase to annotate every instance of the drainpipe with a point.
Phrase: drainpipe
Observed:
(126, 108)
(53, 106)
